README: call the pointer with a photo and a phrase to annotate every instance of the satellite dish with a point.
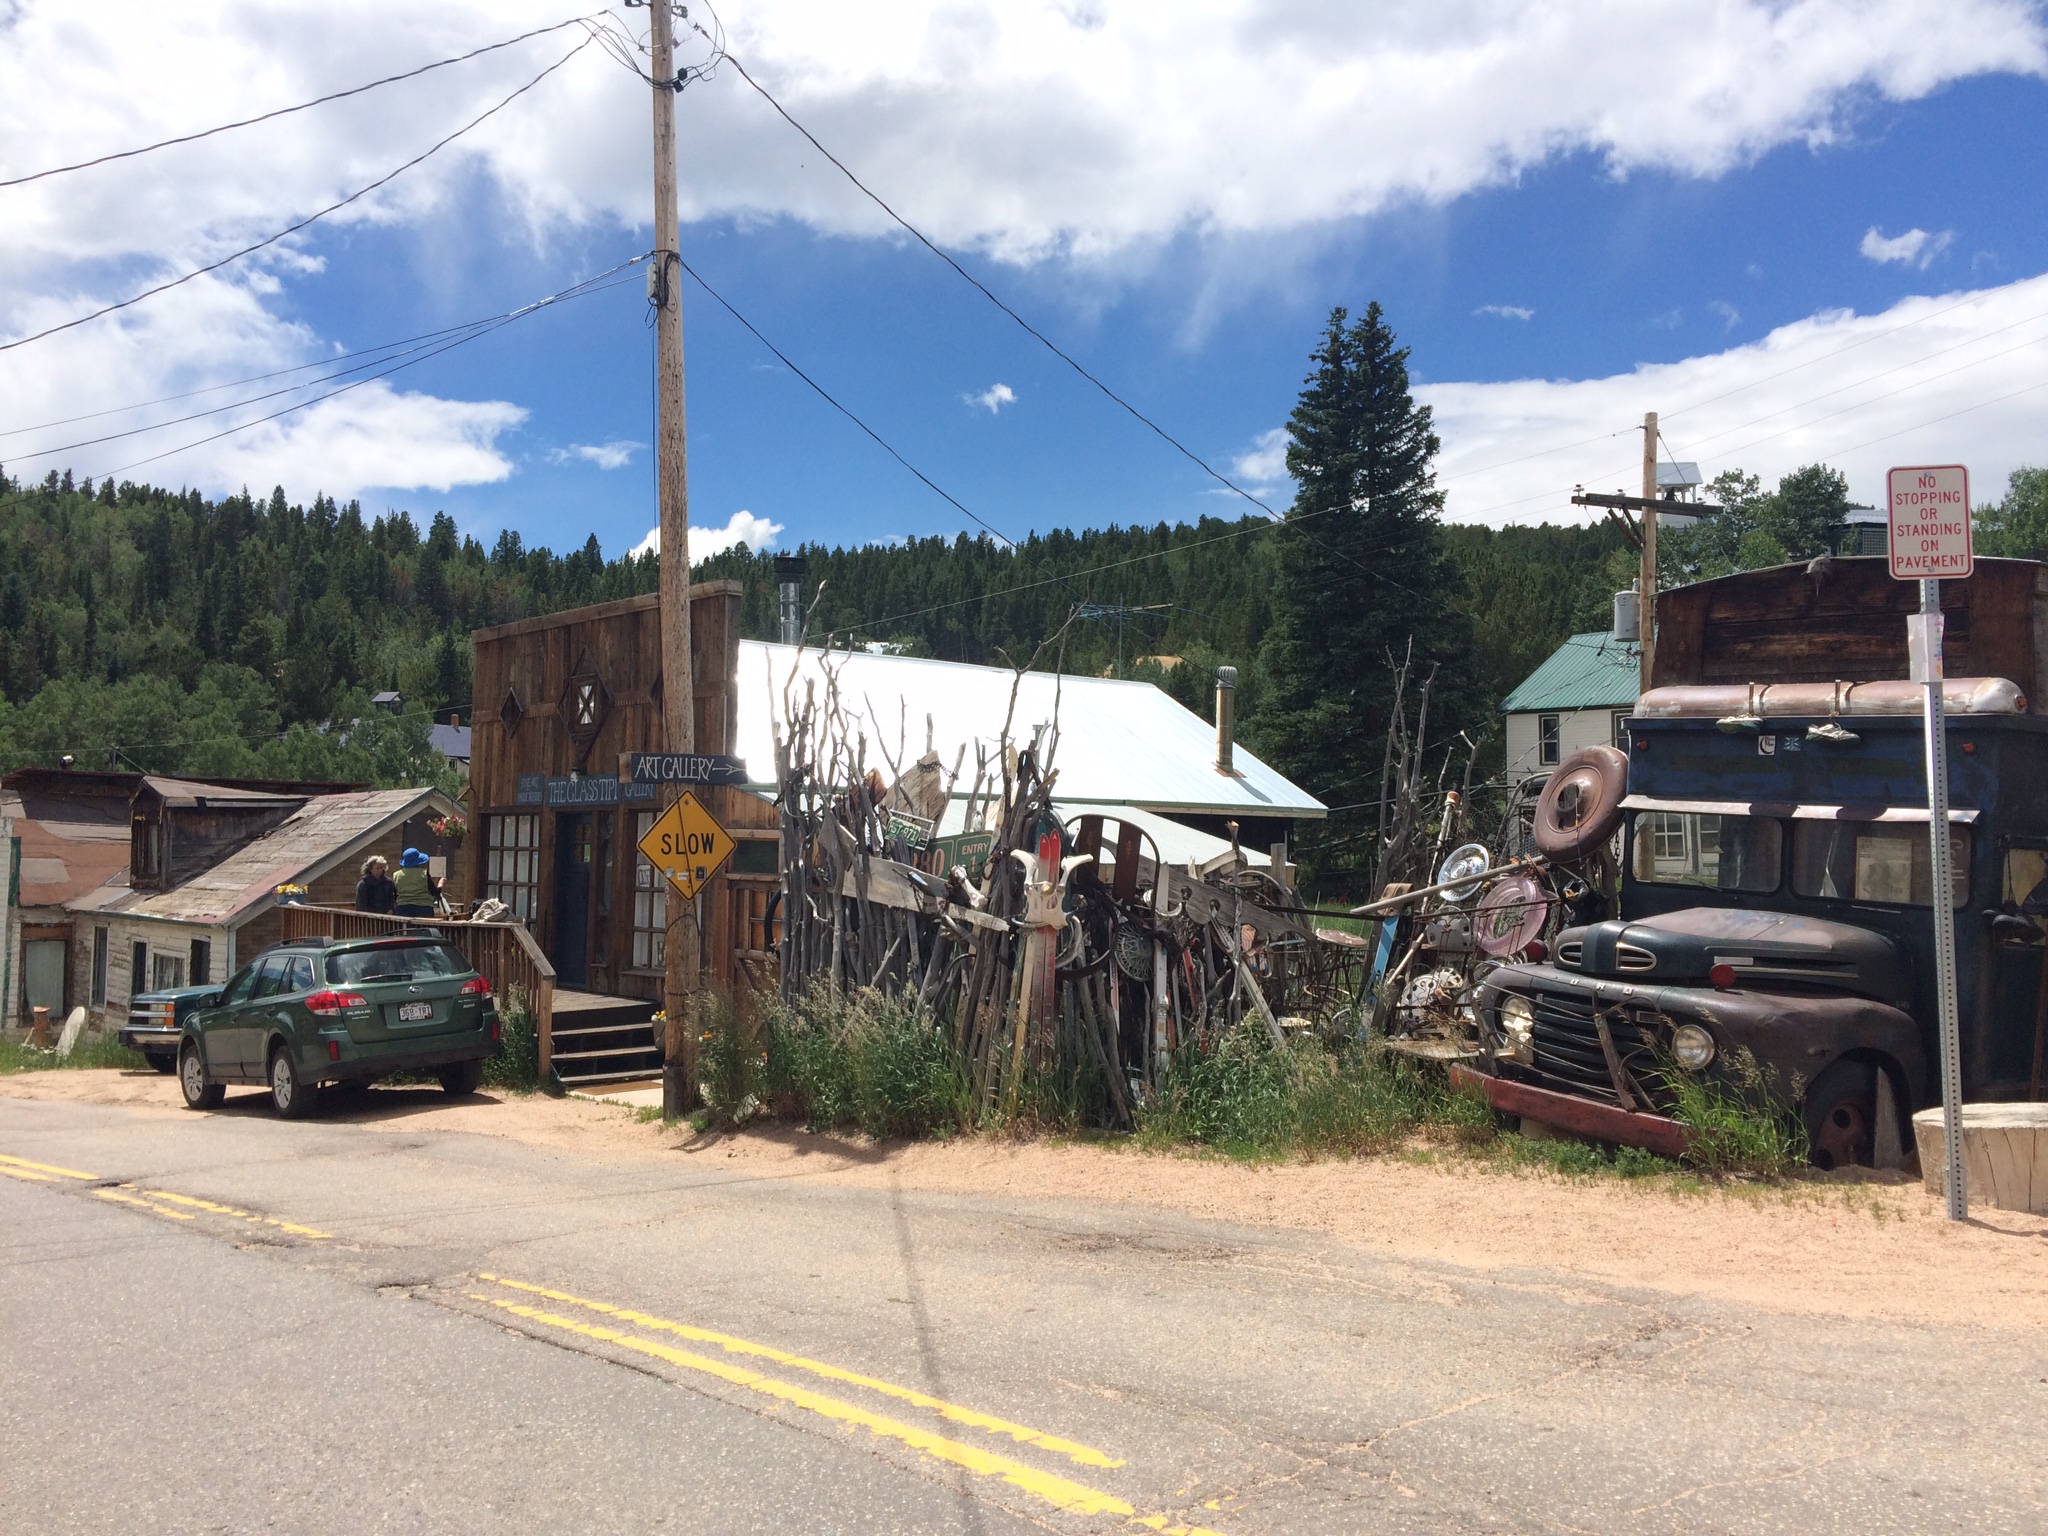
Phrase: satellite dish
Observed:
(1510, 915)
(1466, 864)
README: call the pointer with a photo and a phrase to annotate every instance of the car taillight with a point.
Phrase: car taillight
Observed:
(328, 1004)
(476, 986)
(494, 1028)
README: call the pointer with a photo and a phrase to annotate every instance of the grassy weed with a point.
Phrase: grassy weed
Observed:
(17, 1055)
(517, 1064)
(1736, 1126)
(860, 1059)
(1249, 1099)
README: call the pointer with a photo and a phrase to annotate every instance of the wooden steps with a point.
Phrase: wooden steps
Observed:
(599, 1039)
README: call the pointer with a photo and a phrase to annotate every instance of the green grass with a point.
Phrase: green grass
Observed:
(1738, 1127)
(17, 1055)
(1254, 1101)
(861, 1060)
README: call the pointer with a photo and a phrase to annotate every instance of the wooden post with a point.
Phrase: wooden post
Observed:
(1647, 581)
(678, 676)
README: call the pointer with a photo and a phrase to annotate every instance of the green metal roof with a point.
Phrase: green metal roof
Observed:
(1594, 671)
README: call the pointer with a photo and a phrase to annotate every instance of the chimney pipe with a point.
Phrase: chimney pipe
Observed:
(790, 571)
(1226, 717)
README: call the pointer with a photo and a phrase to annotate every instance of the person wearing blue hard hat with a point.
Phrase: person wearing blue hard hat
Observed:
(416, 888)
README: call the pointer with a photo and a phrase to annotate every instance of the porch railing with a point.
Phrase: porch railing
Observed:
(503, 953)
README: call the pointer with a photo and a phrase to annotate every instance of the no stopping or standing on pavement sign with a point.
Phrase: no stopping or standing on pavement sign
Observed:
(687, 845)
(1927, 513)
(1927, 518)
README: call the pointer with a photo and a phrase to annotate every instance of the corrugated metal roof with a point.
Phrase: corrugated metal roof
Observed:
(61, 859)
(1120, 743)
(309, 842)
(1591, 671)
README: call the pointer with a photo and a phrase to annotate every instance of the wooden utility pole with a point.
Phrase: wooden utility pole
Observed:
(678, 676)
(1646, 583)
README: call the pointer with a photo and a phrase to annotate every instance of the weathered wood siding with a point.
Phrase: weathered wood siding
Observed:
(533, 662)
(1847, 622)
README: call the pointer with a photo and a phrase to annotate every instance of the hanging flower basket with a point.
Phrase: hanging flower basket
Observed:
(450, 829)
(290, 895)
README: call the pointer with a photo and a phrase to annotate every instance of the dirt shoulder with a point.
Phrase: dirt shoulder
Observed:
(1860, 1250)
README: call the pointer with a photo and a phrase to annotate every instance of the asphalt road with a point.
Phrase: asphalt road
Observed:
(228, 1322)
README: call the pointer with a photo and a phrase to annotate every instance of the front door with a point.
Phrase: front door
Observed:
(571, 953)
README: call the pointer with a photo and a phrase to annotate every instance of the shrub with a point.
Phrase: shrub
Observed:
(866, 1060)
(730, 1061)
(517, 1064)
(1251, 1099)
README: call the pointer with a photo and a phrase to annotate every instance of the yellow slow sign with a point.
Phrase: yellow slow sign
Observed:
(687, 845)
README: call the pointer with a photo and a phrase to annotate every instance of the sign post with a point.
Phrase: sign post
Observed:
(1928, 519)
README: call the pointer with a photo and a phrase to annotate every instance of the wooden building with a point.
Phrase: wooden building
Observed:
(556, 836)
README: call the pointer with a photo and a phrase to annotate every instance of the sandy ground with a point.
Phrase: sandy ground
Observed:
(1861, 1249)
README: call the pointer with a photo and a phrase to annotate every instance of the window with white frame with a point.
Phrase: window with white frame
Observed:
(1621, 729)
(166, 971)
(650, 904)
(1549, 740)
(512, 862)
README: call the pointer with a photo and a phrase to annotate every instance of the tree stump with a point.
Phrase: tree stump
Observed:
(2005, 1154)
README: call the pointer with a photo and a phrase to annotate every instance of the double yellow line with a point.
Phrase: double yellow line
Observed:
(1061, 1493)
(50, 1173)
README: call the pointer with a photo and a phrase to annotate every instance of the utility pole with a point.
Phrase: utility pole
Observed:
(678, 676)
(1646, 582)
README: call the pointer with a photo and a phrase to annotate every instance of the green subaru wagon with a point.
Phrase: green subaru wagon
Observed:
(317, 1011)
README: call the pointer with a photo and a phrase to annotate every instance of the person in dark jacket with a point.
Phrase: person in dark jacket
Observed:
(375, 892)
(416, 888)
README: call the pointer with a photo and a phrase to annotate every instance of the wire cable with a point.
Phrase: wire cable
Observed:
(826, 395)
(380, 355)
(318, 101)
(269, 240)
(1167, 437)
(583, 291)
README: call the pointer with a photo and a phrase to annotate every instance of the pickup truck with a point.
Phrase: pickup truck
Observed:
(1775, 895)
(156, 1022)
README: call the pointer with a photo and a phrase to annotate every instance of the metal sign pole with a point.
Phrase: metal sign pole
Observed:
(1943, 882)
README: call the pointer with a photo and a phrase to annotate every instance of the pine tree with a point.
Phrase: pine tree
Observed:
(1362, 569)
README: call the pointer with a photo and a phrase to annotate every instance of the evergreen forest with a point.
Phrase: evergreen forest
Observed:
(142, 627)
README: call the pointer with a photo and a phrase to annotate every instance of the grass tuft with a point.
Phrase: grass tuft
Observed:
(92, 1050)
(1737, 1125)
(517, 1064)
(860, 1059)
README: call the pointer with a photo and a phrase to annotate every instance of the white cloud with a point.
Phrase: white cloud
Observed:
(1506, 311)
(1729, 315)
(1266, 463)
(993, 398)
(613, 455)
(1915, 248)
(1949, 379)
(757, 533)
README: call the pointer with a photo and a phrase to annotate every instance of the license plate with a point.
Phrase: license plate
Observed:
(407, 1012)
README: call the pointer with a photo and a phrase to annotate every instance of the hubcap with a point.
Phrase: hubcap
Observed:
(195, 1076)
(281, 1081)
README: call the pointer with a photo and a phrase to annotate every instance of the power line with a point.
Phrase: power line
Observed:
(830, 400)
(380, 355)
(268, 240)
(1175, 443)
(318, 101)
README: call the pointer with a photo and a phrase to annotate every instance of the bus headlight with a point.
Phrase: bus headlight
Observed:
(1518, 1023)
(1692, 1047)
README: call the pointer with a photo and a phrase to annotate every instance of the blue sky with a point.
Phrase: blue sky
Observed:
(1549, 295)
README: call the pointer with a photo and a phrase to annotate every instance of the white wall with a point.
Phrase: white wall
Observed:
(1576, 728)
(123, 933)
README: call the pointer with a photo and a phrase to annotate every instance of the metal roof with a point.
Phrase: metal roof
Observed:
(322, 833)
(188, 792)
(1120, 743)
(61, 858)
(1590, 671)
(451, 741)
